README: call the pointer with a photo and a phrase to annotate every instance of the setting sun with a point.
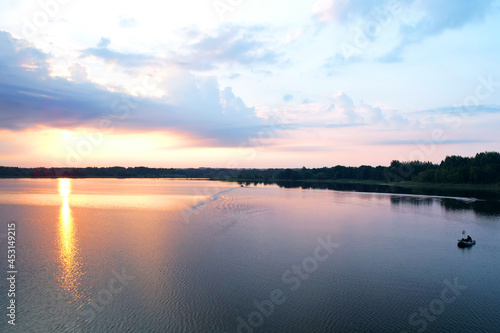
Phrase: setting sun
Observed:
(64, 187)
(65, 133)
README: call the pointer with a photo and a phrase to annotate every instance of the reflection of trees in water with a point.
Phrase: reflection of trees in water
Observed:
(415, 201)
(484, 208)
(490, 206)
(326, 186)
(380, 188)
(456, 205)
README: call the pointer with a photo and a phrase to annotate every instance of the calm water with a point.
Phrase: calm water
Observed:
(199, 256)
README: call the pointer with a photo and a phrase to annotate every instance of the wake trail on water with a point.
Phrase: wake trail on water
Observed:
(214, 198)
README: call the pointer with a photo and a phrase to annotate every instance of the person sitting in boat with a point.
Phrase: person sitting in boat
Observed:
(468, 239)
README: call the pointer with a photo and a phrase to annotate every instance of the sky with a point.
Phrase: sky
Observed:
(247, 84)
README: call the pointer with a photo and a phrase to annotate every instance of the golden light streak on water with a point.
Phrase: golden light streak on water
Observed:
(64, 187)
(71, 272)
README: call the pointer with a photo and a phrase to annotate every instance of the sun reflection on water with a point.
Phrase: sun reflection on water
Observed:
(68, 250)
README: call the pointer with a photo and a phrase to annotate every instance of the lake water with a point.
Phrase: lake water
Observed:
(133, 255)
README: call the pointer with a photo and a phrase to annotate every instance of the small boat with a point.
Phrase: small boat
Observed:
(464, 243)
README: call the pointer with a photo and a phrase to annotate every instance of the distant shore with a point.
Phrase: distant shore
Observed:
(454, 173)
(481, 192)
(404, 184)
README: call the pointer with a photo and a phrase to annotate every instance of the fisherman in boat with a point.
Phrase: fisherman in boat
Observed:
(468, 239)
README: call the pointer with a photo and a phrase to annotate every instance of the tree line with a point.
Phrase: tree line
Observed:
(116, 172)
(484, 168)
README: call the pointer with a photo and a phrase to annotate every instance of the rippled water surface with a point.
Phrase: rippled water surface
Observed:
(131, 255)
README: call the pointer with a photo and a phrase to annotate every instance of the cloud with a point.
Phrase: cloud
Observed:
(127, 22)
(438, 16)
(407, 22)
(399, 120)
(428, 142)
(371, 114)
(343, 10)
(339, 111)
(196, 107)
(104, 42)
(78, 73)
(287, 97)
(124, 59)
(264, 72)
(346, 111)
(290, 37)
(463, 110)
(344, 106)
(229, 45)
(305, 148)
(19, 54)
(338, 60)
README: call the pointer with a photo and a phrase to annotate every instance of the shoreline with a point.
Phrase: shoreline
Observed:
(402, 184)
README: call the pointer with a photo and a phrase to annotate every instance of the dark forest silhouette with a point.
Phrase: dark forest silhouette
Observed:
(484, 168)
